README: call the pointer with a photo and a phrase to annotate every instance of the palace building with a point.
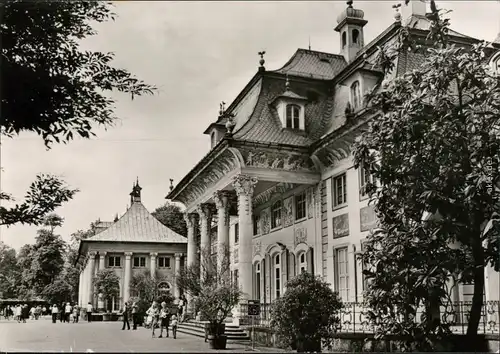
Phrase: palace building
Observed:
(134, 243)
(279, 178)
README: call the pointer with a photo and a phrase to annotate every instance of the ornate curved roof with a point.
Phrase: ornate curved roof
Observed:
(138, 225)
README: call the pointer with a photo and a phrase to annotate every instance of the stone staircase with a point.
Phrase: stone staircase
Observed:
(197, 328)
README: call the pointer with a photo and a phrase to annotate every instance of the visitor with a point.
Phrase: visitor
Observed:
(18, 313)
(164, 319)
(6, 312)
(32, 313)
(125, 314)
(55, 311)
(89, 312)
(134, 316)
(62, 315)
(44, 311)
(155, 314)
(174, 326)
(67, 312)
(75, 314)
(25, 312)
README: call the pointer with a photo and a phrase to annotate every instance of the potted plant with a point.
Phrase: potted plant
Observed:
(306, 316)
(107, 284)
(214, 292)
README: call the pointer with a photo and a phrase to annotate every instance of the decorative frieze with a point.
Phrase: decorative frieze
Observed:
(257, 246)
(341, 225)
(277, 160)
(265, 217)
(300, 236)
(277, 189)
(368, 218)
(288, 211)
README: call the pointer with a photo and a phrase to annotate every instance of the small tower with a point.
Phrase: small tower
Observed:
(350, 26)
(135, 195)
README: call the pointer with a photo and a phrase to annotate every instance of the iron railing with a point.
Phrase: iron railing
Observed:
(353, 317)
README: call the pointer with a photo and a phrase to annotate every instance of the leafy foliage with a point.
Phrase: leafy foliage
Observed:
(211, 286)
(9, 272)
(52, 87)
(434, 150)
(149, 288)
(107, 283)
(307, 312)
(45, 194)
(172, 217)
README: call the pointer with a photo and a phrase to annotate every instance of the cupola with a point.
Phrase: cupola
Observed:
(350, 26)
(135, 195)
(412, 8)
(291, 108)
(217, 130)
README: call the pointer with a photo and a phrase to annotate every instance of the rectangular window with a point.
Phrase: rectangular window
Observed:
(339, 190)
(163, 262)
(139, 262)
(236, 233)
(342, 273)
(114, 261)
(364, 178)
(300, 206)
(236, 280)
(277, 283)
(276, 214)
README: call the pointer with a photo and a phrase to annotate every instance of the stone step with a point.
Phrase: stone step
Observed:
(197, 328)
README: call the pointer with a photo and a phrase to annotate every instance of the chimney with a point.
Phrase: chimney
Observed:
(411, 8)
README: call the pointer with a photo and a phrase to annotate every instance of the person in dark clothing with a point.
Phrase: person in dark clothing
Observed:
(126, 313)
(135, 316)
(25, 312)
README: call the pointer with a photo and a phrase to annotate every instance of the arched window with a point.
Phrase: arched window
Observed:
(355, 95)
(355, 36)
(212, 139)
(293, 116)
(344, 39)
(276, 214)
(257, 280)
(277, 275)
(302, 263)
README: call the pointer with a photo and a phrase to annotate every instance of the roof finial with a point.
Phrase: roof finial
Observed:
(171, 184)
(137, 181)
(287, 83)
(349, 3)
(309, 42)
(397, 15)
(222, 108)
(262, 61)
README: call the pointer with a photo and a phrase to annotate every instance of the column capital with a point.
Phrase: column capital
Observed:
(128, 254)
(190, 219)
(221, 199)
(154, 254)
(205, 211)
(178, 255)
(92, 254)
(244, 185)
(102, 254)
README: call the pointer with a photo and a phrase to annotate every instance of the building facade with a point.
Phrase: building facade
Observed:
(280, 174)
(137, 242)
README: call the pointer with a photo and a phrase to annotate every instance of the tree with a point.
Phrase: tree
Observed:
(9, 272)
(433, 150)
(107, 283)
(58, 291)
(149, 289)
(172, 217)
(307, 313)
(214, 291)
(54, 89)
(24, 262)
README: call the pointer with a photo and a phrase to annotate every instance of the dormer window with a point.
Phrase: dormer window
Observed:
(344, 39)
(355, 36)
(355, 95)
(293, 116)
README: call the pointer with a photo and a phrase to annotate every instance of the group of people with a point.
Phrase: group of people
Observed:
(70, 313)
(21, 312)
(160, 316)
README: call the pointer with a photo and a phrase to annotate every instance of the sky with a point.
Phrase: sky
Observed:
(198, 54)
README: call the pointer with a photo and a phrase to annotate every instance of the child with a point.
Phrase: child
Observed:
(155, 314)
(164, 317)
(174, 326)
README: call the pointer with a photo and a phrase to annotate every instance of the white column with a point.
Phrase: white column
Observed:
(102, 260)
(90, 276)
(205, 212)
(221, 199)
(177, 269)
(128, 276)
(85, 287)
(244, 186)
(153, 264)
(191, 246)
(80, 289)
